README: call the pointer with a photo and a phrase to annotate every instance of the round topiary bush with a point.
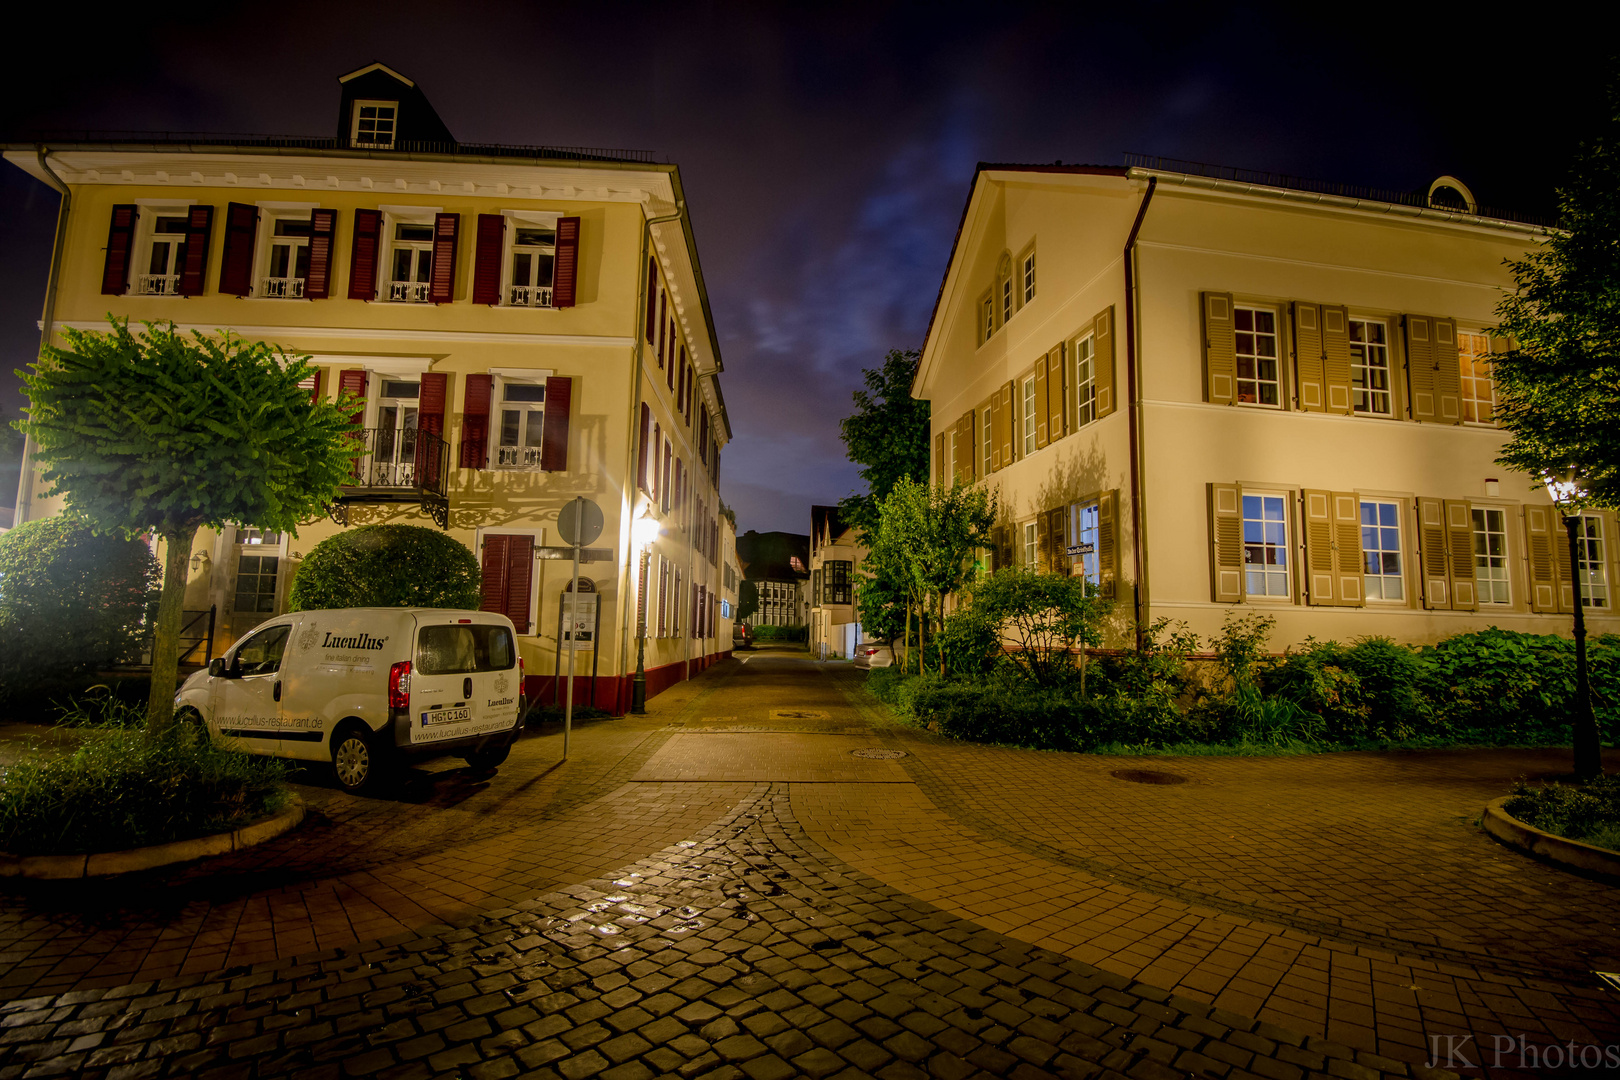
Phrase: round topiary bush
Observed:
(70, 600)
(387, 566)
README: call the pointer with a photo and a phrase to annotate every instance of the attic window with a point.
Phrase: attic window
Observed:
(374, 123)
(1449, 193)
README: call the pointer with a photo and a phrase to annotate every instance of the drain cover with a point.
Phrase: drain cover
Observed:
(1147, 776)
(878, 753)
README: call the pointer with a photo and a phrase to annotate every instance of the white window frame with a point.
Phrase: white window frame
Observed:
(393, 217)
(1286, 546)
(147, 212)
(524, 219)
(1465, 382)
(1593, 573)
(986, 437)
(1085, 379)
(519, 459)
(987, 317)
(1026, 271)
(1030, 548)
(1026, 415)
(1276, 358)
(1399, 550)
(354, 124)
(1085, 525)
(1388, 369)
(269, 214)
(1505, 575)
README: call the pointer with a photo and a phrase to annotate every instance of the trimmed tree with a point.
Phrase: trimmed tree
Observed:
(387, 566)
(887, 436)
(161, 432)
(747, 600)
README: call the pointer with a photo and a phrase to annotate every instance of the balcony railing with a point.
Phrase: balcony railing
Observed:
(408, 292)
(157, 284)
(517, 457)
(395, 466)
(282, 288)
(529, 295)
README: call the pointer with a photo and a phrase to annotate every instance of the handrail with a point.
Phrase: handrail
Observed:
(391, 459)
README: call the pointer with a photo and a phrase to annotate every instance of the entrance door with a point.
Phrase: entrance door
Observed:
(249, 707)
(464, 681)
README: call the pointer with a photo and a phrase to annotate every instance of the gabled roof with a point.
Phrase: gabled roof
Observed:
(375, 65)
(825, 521)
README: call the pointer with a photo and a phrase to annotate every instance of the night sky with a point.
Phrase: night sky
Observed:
(827, 149)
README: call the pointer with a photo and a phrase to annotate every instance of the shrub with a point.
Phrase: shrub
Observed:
(1506, 687)
(1590, 812)
(1042, 617)
(387, 566)
(71, 601)
(797, 632)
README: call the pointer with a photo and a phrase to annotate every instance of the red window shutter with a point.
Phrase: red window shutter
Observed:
(652, 297)
(199, 224)
(679, 479)
(703, 434)
(669, 368)
(519, 576)
(663, 596)
(236, 263)
(322, 235)
(696, 622)
(442, 287)
(313, 385)
(566, 274)
(492, 590)
(691, 374)
(680, 394)
(430, 405)
(663, 326)
(641, 453)
(554, 435)
(353, 381)
(363, 258)
(120, 240)
(475, 421)
(487, 259)
(664, 491)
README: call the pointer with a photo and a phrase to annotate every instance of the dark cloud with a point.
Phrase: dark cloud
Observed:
(827, 149)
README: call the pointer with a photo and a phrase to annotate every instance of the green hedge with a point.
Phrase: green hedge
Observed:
(387, 566)
(799, 632)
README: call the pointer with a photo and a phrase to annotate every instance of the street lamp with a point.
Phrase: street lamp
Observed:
(643, 531)
(1566, 492)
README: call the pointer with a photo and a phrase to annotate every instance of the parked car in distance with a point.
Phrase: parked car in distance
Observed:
(873, 654)
(366, 689)
(742, 636)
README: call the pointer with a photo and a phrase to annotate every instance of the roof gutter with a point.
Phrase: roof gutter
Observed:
(47, 324)
(1133, 414)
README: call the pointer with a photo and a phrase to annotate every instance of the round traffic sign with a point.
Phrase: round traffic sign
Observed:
(580, 522)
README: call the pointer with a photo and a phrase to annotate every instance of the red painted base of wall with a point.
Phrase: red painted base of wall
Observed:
(611, 693)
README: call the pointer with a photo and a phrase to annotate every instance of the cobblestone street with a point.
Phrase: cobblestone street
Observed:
(767, 877)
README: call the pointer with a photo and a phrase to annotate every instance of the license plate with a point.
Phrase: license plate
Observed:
(445, 716)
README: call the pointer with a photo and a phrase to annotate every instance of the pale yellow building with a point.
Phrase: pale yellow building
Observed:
(524, 324)
(836, 555)
(1212, 392)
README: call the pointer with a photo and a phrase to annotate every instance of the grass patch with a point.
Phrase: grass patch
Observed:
(122, 788)
(1587, 812)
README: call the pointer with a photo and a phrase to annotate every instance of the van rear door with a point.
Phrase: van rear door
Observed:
(464, 679)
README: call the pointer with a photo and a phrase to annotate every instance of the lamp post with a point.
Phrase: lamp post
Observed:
(1566, 493)
(643, 532)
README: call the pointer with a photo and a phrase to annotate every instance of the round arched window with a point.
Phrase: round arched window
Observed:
(1449, 193)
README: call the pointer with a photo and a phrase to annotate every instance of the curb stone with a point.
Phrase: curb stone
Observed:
(1560, 850)
(107, 863)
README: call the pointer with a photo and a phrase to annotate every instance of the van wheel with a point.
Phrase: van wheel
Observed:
(489, 760)
(354, 759)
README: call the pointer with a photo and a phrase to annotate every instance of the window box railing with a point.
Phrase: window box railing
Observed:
(408, 292)
(282, 288)
(157, 284)
(393, 466)
(529, 295)
(517, 457)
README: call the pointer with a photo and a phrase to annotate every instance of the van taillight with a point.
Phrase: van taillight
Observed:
(399, 686)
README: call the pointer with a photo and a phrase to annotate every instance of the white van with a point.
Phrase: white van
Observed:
(364, 688)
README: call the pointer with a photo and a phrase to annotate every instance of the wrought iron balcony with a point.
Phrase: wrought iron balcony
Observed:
(517, 457)
(396, 466)
(408, 292)
(157, 284)
(282, 288)
(529, 295)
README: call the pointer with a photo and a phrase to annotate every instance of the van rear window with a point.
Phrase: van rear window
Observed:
(462, 650)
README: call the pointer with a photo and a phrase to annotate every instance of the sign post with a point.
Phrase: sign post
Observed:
(579, 523)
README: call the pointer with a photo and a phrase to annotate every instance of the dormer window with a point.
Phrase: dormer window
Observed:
(534, 255)
(374, 124)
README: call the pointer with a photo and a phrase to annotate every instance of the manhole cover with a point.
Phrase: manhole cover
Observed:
(797, 714)
(878, 754)
(1147, 776)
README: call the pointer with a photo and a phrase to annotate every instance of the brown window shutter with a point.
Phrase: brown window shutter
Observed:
(1043, 544)
(994, 434)
(1447, 376)
(442, 286)
(322, 237)
(1042, 405)
(1108, 542)
(1057, 528)
(519, 576)
(695, 627)
(554, 436)
(939, 458)
(1420, 366)
(1336, 358)
(120, 243)
(1308, 357)
(431, 403)
(641, 451)
(1102, 360)
(1226, 541)
(487, 258)
(199, 224)
(1434, 554)
(663, 326)
(1460, 535)
(492, 587)
(363, 255)
(1543, 534)
(566, 278)
(353, 381)
(1220, 353)
(663, 596)
(236, 260)
(475, 421)
(1566, 576)
(1056, 395)
(1008, 423)
(669, 365)
(652, 299)
(1320, 565)
(1350, 585)
(680, 382)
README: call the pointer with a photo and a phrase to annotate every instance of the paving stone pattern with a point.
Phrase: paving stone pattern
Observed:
(747, 952)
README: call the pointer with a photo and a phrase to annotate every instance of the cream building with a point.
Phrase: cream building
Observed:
(835, 559)
(524, 324)
(1212, 393)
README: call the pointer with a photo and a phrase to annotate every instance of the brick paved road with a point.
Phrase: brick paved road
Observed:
(724, 888)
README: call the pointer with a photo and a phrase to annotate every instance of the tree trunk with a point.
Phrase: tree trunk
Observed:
(166, 638)
(922, 634)
(942, 627)
(905, 652)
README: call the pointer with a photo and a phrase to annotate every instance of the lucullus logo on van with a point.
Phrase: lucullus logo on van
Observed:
(357, 641)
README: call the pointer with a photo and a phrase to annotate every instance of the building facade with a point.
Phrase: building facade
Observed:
(778, 565)
(835, 560)
(521, 325)
(1211, 393)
